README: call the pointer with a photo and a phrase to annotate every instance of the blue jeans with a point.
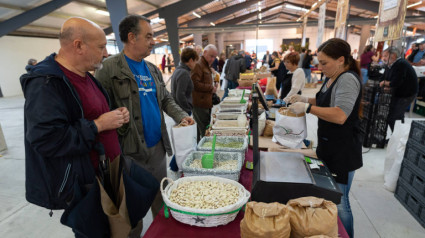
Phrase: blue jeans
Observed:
(344, 208)
(364, 75)
(307, 73)
(230, 85)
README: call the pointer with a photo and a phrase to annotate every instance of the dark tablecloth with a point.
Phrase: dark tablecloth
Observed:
(169, 227)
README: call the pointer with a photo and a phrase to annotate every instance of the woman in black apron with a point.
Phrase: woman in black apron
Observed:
(277, 68)
(337, 106)
(294, 79)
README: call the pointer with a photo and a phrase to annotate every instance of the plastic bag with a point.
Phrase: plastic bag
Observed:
(394, 154)
(290, 130)
(266, 220)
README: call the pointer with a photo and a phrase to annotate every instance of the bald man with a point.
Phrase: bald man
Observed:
(66, 113)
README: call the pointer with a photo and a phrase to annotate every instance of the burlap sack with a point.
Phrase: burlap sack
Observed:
(271, 87)
(268, 130)
(268, 220)
(313, 216)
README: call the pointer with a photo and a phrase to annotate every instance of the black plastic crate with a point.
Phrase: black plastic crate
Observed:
(411, 200)
(417, 132)
(406, 173)
(419, 185)
(414, 152)
(421, 163)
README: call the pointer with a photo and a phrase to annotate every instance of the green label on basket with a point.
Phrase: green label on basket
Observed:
(205, 215)
(166, 213)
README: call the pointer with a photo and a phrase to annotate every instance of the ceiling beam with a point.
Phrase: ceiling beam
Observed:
(214, 16)
(97, 4)
(29, 16)
(150, 4)
(237, 20)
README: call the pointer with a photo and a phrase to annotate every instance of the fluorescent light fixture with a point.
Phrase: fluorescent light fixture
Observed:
(259, 9)
(156, 20)
(375, 16)
(314, 5)
(419, 40)
(259, 3)
(102, 12)
(261, 22)
(259, 16)
(182, 42)
(212, 24)
(299, 19)
(414, 4)
(289, 6)
(164, 39)
(196, 15)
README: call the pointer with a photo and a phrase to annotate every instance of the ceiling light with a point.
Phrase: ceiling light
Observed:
(275, 8)
(196, 15)
(259, 3)
(261, 22)
(414, 4)
(182, 42)
(156, 20)
(289, 6)
(259, 9)
(259, 16)
(314, 5)
(375, 16)
(102, 12)
(299, 19)
(164, 39)
(212, 24)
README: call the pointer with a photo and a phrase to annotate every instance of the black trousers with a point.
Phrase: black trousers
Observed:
(398, 107)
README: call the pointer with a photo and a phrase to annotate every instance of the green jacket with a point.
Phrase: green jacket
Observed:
(118, 80)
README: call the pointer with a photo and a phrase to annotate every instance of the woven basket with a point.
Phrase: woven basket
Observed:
(232, 174)
(203, 217)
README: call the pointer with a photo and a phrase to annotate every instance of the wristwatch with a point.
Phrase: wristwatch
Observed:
(308, 108)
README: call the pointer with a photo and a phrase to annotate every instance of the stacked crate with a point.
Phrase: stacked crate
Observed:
(376, 103)
(410, 189)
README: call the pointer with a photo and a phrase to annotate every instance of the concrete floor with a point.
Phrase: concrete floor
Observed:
(376, 212)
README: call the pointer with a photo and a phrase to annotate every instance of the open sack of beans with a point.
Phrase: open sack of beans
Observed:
(312, 216)
(265, 220)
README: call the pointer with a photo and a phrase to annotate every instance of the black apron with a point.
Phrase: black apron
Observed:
(340, 146)
(287, 85)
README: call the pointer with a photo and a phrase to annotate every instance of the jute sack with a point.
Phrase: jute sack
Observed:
(268, 130)
(268, 220)
(313, 216)
(271, 87)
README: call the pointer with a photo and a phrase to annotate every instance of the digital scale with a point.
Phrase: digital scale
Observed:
(281, 176)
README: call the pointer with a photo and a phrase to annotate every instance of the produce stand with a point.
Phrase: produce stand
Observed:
(169, 227)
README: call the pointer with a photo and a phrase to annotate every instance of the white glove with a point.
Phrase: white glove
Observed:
(297, 98)
(298, 107)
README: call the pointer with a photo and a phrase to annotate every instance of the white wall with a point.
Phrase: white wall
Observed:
(15, 52)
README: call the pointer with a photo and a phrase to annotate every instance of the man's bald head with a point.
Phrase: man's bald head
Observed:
(78, 28)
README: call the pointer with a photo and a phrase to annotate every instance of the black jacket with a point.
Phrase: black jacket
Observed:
(403, 79)
(57, 137)
(234, 66)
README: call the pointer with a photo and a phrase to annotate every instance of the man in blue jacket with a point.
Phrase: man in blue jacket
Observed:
(66, 113)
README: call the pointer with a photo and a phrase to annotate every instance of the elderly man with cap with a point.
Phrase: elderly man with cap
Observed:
(66, 113)
(417, 58)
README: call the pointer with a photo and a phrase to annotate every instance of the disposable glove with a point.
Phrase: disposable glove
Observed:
(297, 98)
(298, 107)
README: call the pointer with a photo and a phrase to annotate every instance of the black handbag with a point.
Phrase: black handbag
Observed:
(215, 99)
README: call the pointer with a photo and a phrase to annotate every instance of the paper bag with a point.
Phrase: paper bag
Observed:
(271, 87)
(313, 216)
(290, 129)
(184, 141)
(266, 220)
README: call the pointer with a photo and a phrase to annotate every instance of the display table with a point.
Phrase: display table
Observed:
(169, 227)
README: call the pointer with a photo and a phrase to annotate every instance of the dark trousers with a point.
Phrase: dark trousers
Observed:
(202, 118)
(398, 107)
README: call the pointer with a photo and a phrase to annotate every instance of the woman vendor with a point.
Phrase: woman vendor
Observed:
(294, 80)
(337, 105)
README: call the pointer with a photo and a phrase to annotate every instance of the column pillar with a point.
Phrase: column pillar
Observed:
(211, 39)
(365, 34)
(220, 42)
(197, 39)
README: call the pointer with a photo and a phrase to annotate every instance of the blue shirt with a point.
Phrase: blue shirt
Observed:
(418, 56)
(151, 116)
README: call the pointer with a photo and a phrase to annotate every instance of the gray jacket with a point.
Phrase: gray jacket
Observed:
(235, 65)
(118, 80)
(182, 87)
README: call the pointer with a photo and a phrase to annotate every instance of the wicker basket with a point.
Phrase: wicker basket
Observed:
(226, 140)
(232, 174)
(203, 217)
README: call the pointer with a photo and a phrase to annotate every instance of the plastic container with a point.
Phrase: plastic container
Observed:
(232, 174)
(223, 140)
(229, 125)
(417, 132)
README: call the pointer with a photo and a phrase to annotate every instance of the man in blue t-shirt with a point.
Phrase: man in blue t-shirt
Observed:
(132, 81)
